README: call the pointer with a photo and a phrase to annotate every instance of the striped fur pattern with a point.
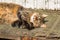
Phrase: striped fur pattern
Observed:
(8, 12)
(15, 15)
(32, 19)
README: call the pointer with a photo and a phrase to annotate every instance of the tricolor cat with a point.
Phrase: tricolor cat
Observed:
(15, 15)
(30, 19)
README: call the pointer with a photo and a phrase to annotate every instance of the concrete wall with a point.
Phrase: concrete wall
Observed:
(42, 4)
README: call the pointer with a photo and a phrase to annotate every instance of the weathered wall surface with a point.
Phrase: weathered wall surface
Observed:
(43, 4)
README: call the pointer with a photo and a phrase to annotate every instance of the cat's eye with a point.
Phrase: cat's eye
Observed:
(39, 18)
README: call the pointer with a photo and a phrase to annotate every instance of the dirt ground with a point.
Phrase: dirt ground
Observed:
(51, 31)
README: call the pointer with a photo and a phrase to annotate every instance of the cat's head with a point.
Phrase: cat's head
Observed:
(37, 19)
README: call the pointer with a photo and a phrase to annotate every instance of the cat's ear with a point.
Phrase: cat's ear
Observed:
(44, 15)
